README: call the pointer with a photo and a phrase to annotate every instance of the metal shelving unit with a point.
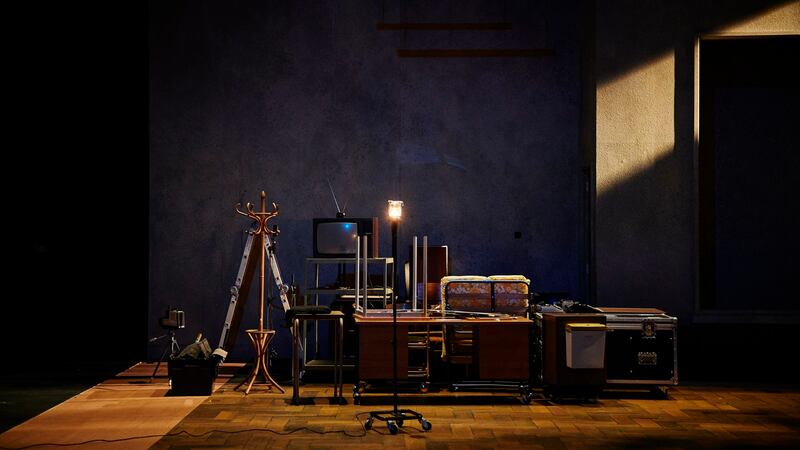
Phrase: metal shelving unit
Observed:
(313, 292)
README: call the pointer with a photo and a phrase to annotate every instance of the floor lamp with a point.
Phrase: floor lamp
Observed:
(395, 417)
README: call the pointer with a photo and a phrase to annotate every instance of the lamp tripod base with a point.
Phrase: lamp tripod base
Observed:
(396, 418)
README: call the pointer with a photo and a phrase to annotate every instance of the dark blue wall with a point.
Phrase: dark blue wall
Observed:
(279, 96)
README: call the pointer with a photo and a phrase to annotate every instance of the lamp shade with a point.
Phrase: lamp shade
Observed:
(395, 209)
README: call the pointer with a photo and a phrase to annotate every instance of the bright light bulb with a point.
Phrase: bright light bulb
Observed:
(395, 209)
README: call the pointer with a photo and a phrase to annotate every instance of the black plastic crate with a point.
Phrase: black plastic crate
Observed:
(192, 376)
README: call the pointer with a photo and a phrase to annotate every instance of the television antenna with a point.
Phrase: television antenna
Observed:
(339, 212)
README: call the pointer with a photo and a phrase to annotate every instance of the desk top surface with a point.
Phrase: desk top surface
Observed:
(442, 320)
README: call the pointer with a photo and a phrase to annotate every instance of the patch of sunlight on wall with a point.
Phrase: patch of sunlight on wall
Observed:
(780, 19)
(635, 121)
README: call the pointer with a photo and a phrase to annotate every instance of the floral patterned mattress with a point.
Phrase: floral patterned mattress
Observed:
(473, 293)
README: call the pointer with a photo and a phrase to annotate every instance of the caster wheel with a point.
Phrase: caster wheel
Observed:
(368, 424)
(399, 423)
(423, 387)
(392, 427)
(426, 426)
(660, 393)
(527, 397)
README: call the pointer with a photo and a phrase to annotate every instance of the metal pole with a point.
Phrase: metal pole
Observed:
(414, 275)
(365, 275)
(425, 274)
(357, 274)
(394, 314)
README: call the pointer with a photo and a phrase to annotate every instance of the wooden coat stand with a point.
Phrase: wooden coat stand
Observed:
(260, 337)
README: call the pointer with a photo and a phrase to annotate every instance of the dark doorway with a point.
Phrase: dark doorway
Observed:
(749, 154)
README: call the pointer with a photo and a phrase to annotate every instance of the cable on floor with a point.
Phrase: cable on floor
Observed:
(184, 432)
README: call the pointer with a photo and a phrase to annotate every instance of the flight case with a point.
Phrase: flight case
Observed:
(641, 347)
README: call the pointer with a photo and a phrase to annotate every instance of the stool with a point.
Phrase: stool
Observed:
(260, 340)
(338, 319)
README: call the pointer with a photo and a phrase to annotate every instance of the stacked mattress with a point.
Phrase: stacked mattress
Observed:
(507, 294)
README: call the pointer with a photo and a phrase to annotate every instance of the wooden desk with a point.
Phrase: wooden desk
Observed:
(501, 350)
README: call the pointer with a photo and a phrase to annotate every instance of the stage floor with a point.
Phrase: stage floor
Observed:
(126, 412)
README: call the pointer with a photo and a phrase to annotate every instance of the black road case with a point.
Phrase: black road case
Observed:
(641, 347)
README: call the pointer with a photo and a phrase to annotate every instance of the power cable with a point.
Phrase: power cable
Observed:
(184, 432)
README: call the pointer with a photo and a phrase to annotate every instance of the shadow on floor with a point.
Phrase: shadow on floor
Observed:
(28, 389)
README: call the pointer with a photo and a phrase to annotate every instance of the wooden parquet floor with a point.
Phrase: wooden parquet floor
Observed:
(692, 417)
(124, 412)
(127, 412)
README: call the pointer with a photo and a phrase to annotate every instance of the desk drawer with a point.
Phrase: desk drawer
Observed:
(503, 352)
(375, 352)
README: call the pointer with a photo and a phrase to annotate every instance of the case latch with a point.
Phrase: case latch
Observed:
(648, 329)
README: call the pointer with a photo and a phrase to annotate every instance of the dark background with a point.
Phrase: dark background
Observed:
(139, 132)
(76, 187)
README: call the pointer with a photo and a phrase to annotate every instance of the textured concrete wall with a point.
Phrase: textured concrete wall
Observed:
(645, 200)
(280, 95)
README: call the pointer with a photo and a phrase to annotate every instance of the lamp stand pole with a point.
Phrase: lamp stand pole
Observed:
(394, 313)
(395, 417)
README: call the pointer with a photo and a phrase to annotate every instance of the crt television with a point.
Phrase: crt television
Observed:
(336, 237)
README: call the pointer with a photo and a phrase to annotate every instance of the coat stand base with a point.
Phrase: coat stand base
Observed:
(260, 340)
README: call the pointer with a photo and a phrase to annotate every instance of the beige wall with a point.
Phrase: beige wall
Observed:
(645, 251)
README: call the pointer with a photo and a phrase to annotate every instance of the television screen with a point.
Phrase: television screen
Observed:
(336, 237)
